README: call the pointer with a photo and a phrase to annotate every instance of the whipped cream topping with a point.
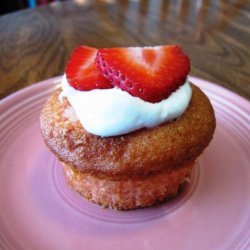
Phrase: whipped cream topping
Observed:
(111, 112)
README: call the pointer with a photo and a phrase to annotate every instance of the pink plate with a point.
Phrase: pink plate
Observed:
(39, 211)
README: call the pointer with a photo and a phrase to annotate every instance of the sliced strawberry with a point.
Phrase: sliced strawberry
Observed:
(151, 73)
(81, 71)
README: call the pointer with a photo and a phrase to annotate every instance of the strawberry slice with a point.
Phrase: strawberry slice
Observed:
(81, 71)
(151, 73)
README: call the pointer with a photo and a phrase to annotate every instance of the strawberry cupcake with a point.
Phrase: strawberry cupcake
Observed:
(127, 125)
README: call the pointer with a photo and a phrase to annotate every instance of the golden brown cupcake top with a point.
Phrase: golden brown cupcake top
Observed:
(144, 152)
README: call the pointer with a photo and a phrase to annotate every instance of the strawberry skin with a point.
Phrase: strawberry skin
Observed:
(150, 73)
(81, 71)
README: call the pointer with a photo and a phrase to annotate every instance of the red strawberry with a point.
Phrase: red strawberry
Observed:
(151, 73)
(81, 71)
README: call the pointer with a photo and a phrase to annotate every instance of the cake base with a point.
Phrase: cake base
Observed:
(128, 194)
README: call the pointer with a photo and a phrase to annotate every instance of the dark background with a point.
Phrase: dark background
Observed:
(7, 6)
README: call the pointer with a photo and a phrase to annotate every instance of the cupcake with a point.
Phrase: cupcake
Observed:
(127, 125)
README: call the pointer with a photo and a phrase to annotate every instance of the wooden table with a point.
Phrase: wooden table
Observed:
(35, 44)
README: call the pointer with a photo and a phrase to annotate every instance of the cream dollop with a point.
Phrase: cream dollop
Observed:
(111, 112)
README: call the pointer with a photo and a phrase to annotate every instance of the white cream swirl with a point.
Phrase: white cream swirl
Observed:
(112, 112)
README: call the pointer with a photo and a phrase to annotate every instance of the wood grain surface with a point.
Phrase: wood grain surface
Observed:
(35, 44)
